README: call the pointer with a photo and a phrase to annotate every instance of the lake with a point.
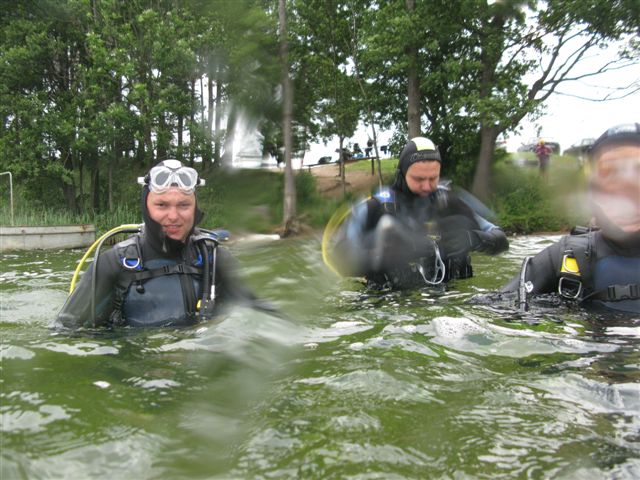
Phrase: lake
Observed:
(350, 383)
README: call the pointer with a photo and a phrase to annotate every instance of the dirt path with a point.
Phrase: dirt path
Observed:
(330, 185)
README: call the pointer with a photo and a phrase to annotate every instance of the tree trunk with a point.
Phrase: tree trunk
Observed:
(95, 188)
(343, 165)
(481, 181)
(80, 165)
(226, 161)
(180, 146)
(110, 166)
(162, 138)
(413, 84)
(147, 144)
(287, 109)
(217, 134)
(70, 189)
(192, 123)
(208, 134)
(489, 127)
(375, 147)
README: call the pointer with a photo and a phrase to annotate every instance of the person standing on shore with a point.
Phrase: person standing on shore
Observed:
(543, 153)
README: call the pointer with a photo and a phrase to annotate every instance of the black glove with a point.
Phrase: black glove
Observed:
(395, 244)
(459, 242)
(492, 242)
(457, 235)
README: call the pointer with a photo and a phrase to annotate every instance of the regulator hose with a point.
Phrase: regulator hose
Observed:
(128, 228)
(524, 287)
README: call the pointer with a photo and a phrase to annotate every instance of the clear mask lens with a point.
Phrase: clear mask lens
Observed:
(163, 178)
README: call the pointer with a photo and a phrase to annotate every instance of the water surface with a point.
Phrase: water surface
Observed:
(352, 384)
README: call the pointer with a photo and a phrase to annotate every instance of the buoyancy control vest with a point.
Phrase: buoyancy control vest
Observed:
(164, 291)
(591, 269)
(422, 216)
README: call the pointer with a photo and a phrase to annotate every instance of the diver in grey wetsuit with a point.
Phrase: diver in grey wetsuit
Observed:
(600, 266)
(170, 273)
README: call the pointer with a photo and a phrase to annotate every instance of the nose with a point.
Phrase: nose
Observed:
(172, 213)
(427, 187)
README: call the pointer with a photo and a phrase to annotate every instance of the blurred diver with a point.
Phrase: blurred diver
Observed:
(416, 232)
(598, 265)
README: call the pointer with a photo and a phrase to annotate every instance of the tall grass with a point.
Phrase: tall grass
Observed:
(525, 202)
(31, 215)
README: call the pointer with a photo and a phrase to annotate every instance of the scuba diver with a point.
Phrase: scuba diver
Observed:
(415, 233)
(598, 265)
(169, 273)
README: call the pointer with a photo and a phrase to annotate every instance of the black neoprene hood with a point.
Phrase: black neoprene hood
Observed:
(625, 134)
(418, 149)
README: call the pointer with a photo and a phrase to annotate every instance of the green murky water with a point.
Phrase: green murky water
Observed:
(353, 385)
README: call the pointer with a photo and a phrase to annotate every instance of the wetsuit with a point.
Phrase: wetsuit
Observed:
(164, 289)
(163, 298)
(604, 272)
(400, 240)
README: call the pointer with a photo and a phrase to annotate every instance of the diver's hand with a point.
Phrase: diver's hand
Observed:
(459, 242)
(458, 235)
(492, 242)
(395, 244)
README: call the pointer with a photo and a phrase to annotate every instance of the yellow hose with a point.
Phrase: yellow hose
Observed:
(332, 225)
(113, 231)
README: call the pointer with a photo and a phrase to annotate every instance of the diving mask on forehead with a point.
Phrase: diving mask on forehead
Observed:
(171, 173)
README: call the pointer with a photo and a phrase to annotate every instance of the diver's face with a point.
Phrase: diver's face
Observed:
(422, 177)
(174, 210)
(616, 186)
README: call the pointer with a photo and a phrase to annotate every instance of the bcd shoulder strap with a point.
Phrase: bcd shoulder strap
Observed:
(574, 270)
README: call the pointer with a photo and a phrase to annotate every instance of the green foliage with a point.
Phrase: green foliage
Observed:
(26, 213)
(526, 203)
(321, 46)
(387, 166)
(97, 90)
(87, 87)
(240, 200)
(251, 200)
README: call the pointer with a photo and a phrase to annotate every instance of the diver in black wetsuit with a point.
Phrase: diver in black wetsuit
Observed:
(171, 273)
(415, 233)
(602, 265)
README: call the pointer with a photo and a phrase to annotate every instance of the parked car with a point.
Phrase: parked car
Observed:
(581, 148)
(324, 160)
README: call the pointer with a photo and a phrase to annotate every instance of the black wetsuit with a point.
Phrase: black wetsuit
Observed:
(165, 290)
(161, 300)
(397, 240)
(609, 271)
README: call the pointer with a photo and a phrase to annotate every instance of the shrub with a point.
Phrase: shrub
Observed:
(526, 203)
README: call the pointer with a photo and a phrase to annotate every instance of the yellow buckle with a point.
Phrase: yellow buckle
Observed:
(570, 265)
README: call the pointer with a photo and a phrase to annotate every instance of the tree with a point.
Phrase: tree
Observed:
(287, 107)
(550, 44)
(323, 48)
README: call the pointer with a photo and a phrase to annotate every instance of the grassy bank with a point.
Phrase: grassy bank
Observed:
(251, 200)
(525, 202)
